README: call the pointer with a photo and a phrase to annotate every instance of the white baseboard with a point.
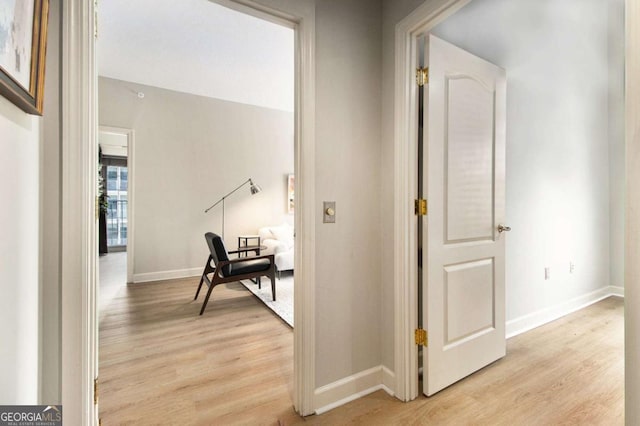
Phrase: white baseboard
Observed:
(616, 291)
(536, 319)
(167, 275)
(353, 387)
(388, 381)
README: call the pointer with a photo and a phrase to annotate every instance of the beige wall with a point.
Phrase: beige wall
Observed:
(50, 215)
(348, 255)
(189, 152)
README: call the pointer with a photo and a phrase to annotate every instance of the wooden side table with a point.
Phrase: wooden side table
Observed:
(246, 241)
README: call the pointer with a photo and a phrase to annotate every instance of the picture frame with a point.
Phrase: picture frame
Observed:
(23, 23)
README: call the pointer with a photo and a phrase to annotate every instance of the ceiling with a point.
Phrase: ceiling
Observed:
(197, 47)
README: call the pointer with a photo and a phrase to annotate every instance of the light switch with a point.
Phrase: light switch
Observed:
(329, 212)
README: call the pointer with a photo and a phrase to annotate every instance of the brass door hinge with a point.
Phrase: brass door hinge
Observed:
(97, 207)
(421, 337)
(422, 76)
(421, 207)
(95, 391)
(95, 19)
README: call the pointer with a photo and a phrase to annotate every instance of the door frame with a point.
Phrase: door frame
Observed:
(405, 261)
(79, 219)
(79, 189)
(300, 16)
(130, 134)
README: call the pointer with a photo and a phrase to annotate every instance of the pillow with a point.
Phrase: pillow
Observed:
(265, 233)
(283, 233)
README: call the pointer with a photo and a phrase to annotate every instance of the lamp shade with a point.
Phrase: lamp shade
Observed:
(254, 188)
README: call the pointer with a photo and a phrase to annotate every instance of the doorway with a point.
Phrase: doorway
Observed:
(301, 180)
(115, 240)
(78, 263)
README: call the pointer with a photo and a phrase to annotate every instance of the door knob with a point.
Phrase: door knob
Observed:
(502, 228)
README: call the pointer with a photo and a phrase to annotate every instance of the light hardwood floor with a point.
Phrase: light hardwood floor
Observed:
(161, 363)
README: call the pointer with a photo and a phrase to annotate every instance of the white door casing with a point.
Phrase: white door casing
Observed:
(464, 297)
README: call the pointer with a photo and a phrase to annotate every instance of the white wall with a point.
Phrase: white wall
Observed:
(189, 152)
(616, 60)
(19, 255)
(555, 54)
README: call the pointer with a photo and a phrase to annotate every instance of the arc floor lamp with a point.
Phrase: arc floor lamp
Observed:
(252, 187)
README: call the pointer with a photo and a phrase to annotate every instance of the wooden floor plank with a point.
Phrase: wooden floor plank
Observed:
(162, 363)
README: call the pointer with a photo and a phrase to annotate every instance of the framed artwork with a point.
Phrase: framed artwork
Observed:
(23, 45)
(291, 185)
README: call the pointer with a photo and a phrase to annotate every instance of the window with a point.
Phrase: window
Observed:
(117, 185)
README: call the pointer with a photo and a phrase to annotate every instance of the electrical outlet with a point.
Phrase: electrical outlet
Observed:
(572, 267)
(547, 273)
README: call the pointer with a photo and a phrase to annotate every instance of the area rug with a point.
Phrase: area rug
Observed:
(283, 306)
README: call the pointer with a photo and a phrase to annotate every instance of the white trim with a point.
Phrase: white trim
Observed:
(304, 333)
(351, 388)
(79, 229)
(388, 381)
(632, 218)
(543, 316)
(167, 275)
(616, 291)
(425, 17)
(131, 155)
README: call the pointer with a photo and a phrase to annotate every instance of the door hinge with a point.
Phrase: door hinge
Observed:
(421, 207)
(97, 207)
(422, 76)
(421, 337)
(95, 391)
(95, 19)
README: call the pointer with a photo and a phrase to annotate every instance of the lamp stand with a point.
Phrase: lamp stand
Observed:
(254, 190)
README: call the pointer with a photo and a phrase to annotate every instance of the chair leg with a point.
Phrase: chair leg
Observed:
(206, 299)
(206, 271)
(273, 286)
(199, 286)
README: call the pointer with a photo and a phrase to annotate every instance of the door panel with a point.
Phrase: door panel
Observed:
(469, 159)
(463, 300)
(469, 307)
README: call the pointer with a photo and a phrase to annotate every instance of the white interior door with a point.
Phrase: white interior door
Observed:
(463, 297)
